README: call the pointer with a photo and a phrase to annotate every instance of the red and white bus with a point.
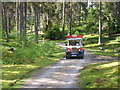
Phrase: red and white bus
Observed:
(74, 46)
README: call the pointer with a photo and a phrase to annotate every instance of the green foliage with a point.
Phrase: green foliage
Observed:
(28, 54)
(87, 28)
(76, 30)
(13, 43)
(47, 49)
(54, 33)
(76, 33)
(6, 55)
(30, 37)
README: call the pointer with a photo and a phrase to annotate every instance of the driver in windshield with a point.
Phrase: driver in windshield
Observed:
(77, 44)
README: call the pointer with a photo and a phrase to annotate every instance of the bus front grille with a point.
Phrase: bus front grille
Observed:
(73, 50)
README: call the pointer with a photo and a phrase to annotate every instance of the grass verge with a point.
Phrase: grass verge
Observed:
(100, 75)
(14, 72)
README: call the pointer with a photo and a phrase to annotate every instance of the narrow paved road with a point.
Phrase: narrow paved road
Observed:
(63, 74)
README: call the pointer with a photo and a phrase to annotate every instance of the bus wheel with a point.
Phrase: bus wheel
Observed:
(81, 57)
(67, 57)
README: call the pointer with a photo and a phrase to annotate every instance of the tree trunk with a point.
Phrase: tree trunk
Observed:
(39, 18)
(79, 15)
(43, 22)
(36, 24)
(118, 10)
(39, 22)
(109, 31)
(63, 21)
(47, 23)
(79, 21)
(17, 18)
(3, 25)
(5, 22)
(1, 16)
(9, 24)
(36, 29)
(32, 14)
(25, 21)
(113, 26)
(100, 25)
(70, 18)
(21, 21)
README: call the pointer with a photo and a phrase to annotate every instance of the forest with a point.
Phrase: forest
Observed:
(29, 31)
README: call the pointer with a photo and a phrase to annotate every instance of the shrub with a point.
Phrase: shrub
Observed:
(47, 48)
(28, 54)
(54, 33)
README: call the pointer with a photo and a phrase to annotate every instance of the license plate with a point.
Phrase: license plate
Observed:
(74, 55)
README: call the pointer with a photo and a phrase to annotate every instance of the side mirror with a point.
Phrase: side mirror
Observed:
(83, 44)
(65, 44)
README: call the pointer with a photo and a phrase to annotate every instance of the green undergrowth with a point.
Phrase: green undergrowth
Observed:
(19, 62)
(100, 75)
(110, 45)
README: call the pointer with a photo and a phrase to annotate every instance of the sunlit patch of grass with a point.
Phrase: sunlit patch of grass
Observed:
(11, 73)
(108, 65)
(113, 42)
(12, 43)
(91, 45)
(100, 75)
(90, 36)
(118, 39)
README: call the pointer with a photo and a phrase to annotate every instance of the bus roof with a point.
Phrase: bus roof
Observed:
(74, 36)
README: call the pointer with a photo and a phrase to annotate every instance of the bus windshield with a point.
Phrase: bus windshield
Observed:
(74, 43)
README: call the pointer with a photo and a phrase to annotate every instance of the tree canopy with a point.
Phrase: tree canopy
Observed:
(23, 19)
